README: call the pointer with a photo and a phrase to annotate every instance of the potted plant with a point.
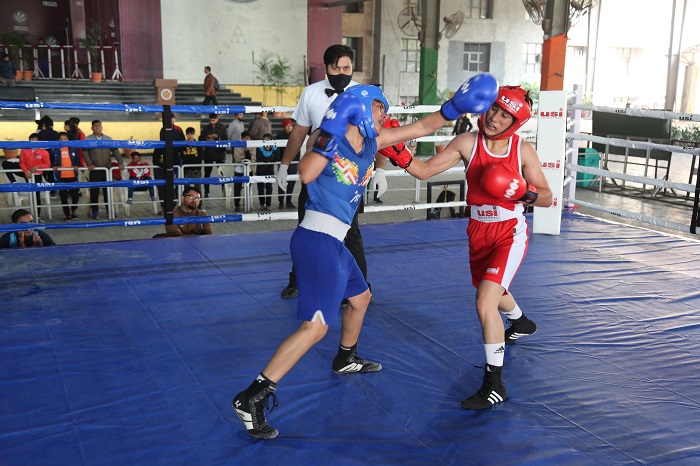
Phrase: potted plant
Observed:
(26, 72)
(264, 73)
(279, 73)
(93, 42)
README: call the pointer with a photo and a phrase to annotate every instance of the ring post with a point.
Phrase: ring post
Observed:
(551, 147)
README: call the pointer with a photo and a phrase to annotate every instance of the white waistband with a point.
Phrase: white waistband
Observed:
(494, 213)
(324, 223)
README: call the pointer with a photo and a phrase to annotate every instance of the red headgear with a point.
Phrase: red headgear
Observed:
(515, 101)
(287, 122)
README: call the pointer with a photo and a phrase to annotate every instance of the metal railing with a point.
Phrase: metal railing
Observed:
(66, 61)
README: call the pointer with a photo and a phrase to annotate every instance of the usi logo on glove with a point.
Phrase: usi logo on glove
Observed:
(512, 189)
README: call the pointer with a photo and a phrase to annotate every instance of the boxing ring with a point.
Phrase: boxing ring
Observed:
(131, 351)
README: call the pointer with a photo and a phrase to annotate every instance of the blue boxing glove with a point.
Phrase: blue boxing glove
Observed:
(345, 109)
(474, 96)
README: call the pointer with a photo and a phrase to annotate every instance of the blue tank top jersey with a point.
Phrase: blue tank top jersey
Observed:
(339, 188)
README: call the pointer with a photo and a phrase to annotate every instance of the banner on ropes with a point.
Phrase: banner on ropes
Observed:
(551, 147)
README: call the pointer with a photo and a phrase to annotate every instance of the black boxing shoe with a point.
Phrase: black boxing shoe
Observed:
(250, 410)
(521, 327)
(492, 390)
(291, 290)
(351, 364)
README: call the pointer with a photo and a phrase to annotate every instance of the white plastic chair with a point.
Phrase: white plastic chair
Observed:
(124, 195)
(18, 198)
(228, 171)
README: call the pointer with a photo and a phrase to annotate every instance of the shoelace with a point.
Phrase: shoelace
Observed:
(266, 402)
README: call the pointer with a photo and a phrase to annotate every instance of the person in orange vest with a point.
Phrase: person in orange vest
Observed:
(65, 166)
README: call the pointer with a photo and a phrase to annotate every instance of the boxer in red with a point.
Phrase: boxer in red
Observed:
(503, 174)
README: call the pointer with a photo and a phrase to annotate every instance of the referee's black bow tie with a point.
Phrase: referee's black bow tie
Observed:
(330, 92)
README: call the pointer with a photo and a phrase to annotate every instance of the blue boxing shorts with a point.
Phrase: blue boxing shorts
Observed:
(326, 272)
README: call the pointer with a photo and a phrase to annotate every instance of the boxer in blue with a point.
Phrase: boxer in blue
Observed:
(336, 170)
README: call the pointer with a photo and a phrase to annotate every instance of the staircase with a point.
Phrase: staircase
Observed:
(115, 92)
(193, 94)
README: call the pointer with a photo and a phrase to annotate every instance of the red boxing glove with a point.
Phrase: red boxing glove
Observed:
(397, 154)
(505, 182)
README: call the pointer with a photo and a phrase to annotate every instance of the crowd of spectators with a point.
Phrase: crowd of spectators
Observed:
(71, 165)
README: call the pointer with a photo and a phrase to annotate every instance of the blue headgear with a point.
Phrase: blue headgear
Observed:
(368, 93)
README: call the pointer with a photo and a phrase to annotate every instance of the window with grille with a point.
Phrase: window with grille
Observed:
(476, 57)
(533, 58)
(410, 55)
(479, 9)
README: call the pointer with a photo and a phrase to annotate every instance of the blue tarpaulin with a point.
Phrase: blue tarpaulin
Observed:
(130, 353)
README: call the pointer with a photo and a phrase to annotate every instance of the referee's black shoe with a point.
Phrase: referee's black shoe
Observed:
(291, 290)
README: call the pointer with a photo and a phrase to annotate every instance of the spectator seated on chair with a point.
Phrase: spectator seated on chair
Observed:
(138, 170)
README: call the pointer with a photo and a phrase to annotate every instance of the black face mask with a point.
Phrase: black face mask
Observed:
(339, 81)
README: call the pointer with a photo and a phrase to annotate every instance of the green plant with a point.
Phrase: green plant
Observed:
(443, 96)
(264, 73)
(16, 42)
(94, 36)
(534, 89)
(279, 74)
(688, 133)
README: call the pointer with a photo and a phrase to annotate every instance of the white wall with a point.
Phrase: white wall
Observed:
(510, 26)
(226, 35)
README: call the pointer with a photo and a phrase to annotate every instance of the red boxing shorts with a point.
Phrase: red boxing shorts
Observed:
(496, 250)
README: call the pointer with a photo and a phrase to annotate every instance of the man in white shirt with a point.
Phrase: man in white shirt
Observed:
(308, 114)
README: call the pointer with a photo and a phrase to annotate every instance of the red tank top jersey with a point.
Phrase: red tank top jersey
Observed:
(481, 158)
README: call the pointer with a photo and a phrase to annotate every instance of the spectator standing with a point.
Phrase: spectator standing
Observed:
(43, 52)
(25, 239)
(47, 133)
(75, 134)
(65, 163)
(462, 125)
(285, 195)
(260, 126)
(210, 90)
(97, 158)
(265, 157)
(192, 155)
(212, 132)
(236, 127)
(241, 155)
(33, 162)
(159, 158)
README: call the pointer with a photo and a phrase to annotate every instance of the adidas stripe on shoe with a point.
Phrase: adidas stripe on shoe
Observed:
(492, 390)
(354, 364)
(521, 327)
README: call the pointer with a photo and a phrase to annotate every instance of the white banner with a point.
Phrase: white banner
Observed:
(551, 147)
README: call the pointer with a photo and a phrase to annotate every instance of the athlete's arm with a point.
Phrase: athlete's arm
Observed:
(532, 172)
(312, 163)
